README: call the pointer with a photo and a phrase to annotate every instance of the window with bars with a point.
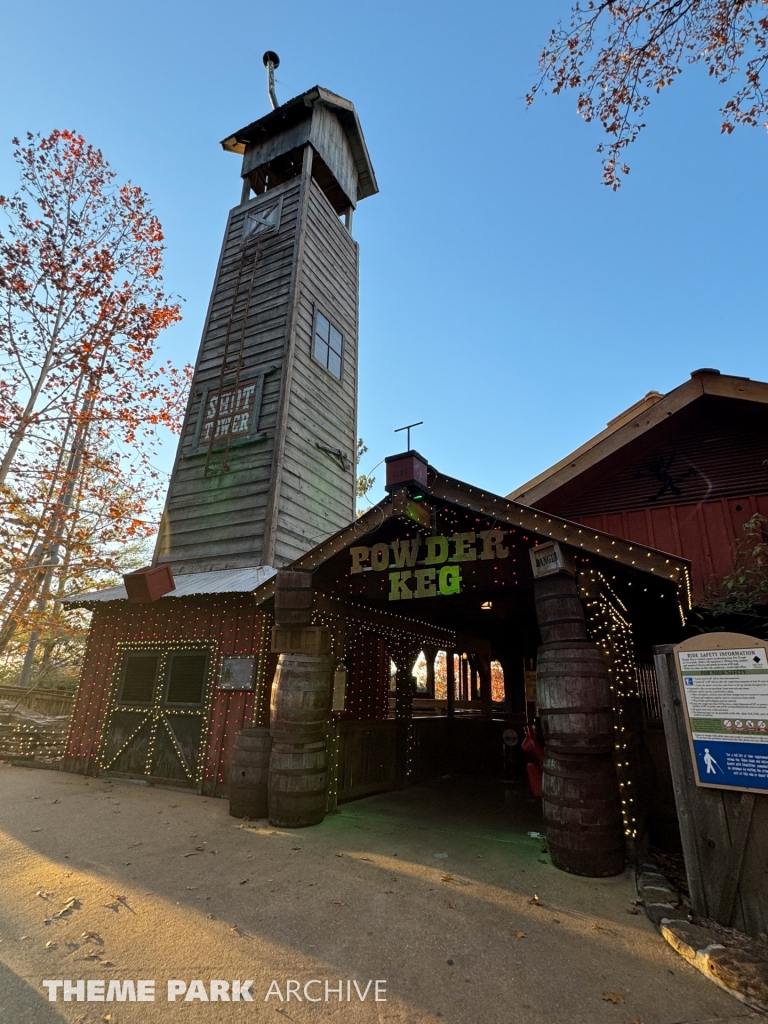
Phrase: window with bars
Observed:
(327, 345)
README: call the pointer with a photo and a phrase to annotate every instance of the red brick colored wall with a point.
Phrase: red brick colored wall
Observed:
(230, 619)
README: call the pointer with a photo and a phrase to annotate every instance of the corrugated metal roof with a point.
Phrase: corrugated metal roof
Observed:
(220, 581)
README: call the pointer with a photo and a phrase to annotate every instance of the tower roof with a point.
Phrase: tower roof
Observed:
(293, 112)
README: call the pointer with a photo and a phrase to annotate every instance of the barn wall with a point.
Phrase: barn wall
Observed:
(706, 533)
(230, 619)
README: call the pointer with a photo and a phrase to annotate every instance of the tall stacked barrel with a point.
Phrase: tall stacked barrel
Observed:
(580, 793)
(299, 708)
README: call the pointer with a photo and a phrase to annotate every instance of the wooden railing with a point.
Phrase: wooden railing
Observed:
(47, 702)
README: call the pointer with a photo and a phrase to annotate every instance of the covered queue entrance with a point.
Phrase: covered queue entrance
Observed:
(514, 621)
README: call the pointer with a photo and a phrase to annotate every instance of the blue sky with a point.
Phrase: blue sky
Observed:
(508, 299)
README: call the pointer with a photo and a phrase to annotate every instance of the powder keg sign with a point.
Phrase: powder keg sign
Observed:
(725, 697)
(230, 415)
(416, 565)
(237, 673)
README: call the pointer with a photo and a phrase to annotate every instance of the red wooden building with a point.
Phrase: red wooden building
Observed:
(681, 472)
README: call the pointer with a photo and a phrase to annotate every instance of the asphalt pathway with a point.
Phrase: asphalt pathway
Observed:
(438, 893)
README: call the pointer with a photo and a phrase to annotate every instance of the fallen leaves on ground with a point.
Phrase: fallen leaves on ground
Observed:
(446, 878)
(339, 903)
(535, 900)
(243, 881)
(613, 997)
(636, 1020)
(451, 906)
(69, 906)
(516, 934)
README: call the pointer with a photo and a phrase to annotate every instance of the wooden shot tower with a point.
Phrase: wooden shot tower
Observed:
(265, 467)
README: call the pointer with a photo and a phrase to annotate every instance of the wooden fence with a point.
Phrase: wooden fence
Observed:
(47, 702)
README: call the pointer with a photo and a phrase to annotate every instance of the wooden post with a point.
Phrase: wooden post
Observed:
(682, 771)
(430, 653)
(450, 683)
(334, 739)
(486, 691)
(722, 831)
(404, 716)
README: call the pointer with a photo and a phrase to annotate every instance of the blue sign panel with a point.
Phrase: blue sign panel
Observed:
(726, 701)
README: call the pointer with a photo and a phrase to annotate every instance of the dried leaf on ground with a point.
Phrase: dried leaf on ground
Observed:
(339, 903)
(70, 905)
(446, 878)
(516, 934)
(632, 910)
(243, 881)
(535, 900)
(613, 997)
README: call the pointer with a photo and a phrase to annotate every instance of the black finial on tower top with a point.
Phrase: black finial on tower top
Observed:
(271, 61)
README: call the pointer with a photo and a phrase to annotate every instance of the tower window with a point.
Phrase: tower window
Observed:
(327, 345)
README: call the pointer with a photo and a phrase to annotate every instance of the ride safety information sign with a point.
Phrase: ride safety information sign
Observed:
(726, 703)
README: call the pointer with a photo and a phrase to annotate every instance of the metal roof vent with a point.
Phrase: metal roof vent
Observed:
(271, 61)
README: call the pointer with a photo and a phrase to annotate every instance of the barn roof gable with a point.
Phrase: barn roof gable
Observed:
(639, 419)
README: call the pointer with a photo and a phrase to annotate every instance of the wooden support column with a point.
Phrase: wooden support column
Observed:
(404, 715)
(513, 667)
(450, 683)
(430, 653)
(474, 678)
(486, 692)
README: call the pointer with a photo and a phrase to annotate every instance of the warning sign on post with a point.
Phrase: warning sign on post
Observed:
(725, 696)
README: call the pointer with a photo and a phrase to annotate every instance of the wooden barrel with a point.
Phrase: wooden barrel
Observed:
(301, 698)
(558, 609)
(573, 692)
(298, 784)
(582, 814)
(293, 598)
(249, 774)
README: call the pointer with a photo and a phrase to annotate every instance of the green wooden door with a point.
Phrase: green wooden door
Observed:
(158, 717)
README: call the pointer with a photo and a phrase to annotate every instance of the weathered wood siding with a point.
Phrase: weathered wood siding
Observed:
(318, 495)
(217, 521)
(281, 494)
